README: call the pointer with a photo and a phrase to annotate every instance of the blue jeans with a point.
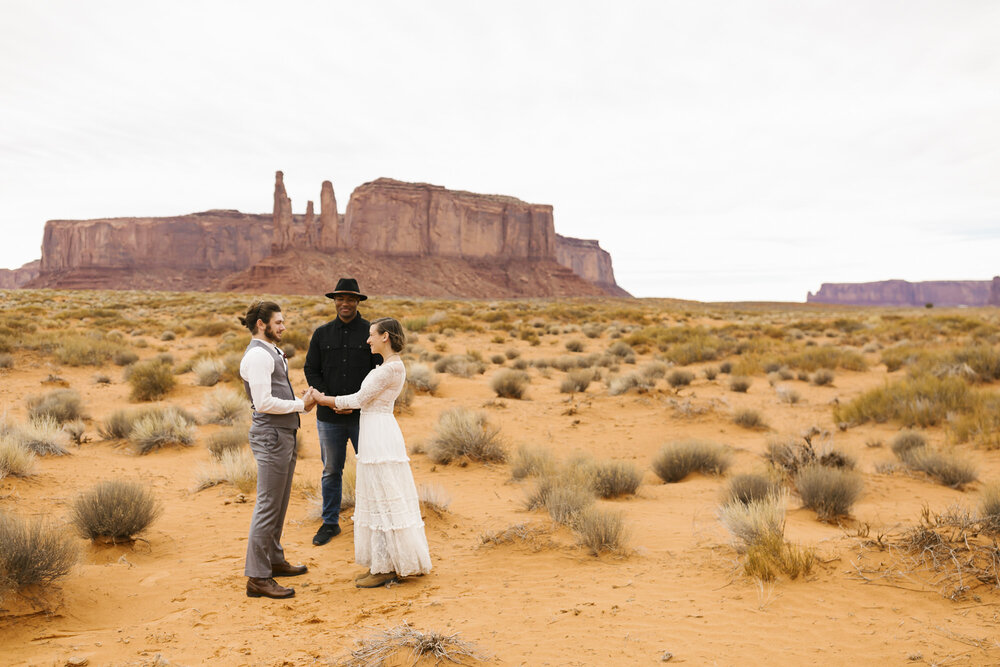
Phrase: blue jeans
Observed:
(333, 449)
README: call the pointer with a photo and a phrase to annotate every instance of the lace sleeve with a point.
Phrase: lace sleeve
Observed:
(382, 383)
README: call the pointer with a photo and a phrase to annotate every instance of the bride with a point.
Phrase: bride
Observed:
(389, 534)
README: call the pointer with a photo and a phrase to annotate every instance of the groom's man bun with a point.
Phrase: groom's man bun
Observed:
(259, 310)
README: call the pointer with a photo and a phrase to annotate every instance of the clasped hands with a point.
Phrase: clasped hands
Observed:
(313, 396)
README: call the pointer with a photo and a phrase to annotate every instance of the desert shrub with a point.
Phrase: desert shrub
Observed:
(512, 353)
(629, 381)
(576, 381)
(15, 459)
(415, 323)
(42, 435)
(6, 360)
(726, 367)
(945, 467)
(766, 559)
(989, 506)
(404, 401)
(32, 552)
(830, 492)
(788, 395)
(62, 405)
(710, 372)
(575, 345)
(791, 455)
(740, 384)
(611, 479)
(150, 380)
(161, 427)
(906, 441)
(677, 460)
(591, 330)
(748, 487)
(226, 439)
(498, 359)
(460, 365)
(422, 378)
(680, 377)
(918, 401)
(508, 383)
(168, 335)
(102, 378)
(124, 357)
(84, 351)
(76, 430)
(119, 423)
(564, 500)
(750, 419)
(980, 424)
(600, 530)
(463, 433)
(208, 371)
(225, 406)
(239, 469)
(814, 358)
(117, 510)
(822, 377)
(758, 520)
(654, 370)
(621, 349)
(532, 462)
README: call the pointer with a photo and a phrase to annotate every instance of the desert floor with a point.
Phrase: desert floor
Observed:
(176, 595)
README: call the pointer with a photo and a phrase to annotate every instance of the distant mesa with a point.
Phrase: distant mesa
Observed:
(398, 238)
(902, 293)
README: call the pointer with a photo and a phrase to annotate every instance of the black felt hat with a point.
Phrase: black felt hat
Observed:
(347, 286)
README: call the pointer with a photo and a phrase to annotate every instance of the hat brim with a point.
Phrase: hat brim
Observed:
(361, 297)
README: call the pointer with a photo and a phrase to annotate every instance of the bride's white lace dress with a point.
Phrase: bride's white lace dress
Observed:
(388, 529)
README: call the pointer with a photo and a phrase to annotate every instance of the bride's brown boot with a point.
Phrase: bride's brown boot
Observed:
(362, 575)
(376, 580)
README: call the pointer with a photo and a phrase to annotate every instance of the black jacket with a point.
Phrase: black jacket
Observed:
(337, 362)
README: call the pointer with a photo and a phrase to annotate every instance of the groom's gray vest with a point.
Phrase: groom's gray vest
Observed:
(280, 388)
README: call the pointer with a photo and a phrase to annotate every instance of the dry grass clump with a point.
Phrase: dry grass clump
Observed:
(161, 427)
(906, 441)
(433, 497)
(917, 401)
(532, 462)
(611, 479)
(464, 433)
(823, 377)
(576, 381)
(677, 460)
(508, 383)
(654, 370)
(124, 357)
(790, 455)
(386, 646)
(150, 380)
(227, 407)
(749, 487)
(625, 383)
(575, 345)
(563, 497)
(757, 528)
(6, 360)
(621, 349)
(830, 492)
(788, 395)
(519, 532)
(944, 466)
(209, 371)
(740, 384)
(680, 377)
(227, 439)
(85, 351)
(461, 365)
(710, 372)
(15, 459)
(422, 378)
(32, 553)
(119, 423)
(235, 466)
(42, 436)
(115, 510)
(62, 405)
(765, 560)
(750, 419)
(601, 530)
(989, 506)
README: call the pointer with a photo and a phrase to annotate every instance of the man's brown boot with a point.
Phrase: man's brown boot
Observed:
(267, 588)
(376, 580)
(286, 569)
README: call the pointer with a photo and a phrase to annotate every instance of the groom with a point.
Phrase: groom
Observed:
(337, 362)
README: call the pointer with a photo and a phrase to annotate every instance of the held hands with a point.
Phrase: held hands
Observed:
(313, 396)
(309, 398)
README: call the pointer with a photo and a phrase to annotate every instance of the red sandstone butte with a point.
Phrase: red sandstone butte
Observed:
(902, 293)
(398, 238)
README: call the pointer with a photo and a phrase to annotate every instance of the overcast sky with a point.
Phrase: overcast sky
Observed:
(718, 150)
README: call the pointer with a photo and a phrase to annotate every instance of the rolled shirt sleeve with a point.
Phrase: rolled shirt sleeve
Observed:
(256, 368)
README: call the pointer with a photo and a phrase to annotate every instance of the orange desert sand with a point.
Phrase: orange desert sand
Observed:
(676, 593)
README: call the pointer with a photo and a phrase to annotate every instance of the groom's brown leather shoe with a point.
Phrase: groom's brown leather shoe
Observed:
(286, 569)
(267, 588)
(376, 580)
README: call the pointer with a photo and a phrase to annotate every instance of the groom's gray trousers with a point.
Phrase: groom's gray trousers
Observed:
(274, 450)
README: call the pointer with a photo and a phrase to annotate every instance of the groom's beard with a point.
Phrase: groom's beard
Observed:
(271, 335)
